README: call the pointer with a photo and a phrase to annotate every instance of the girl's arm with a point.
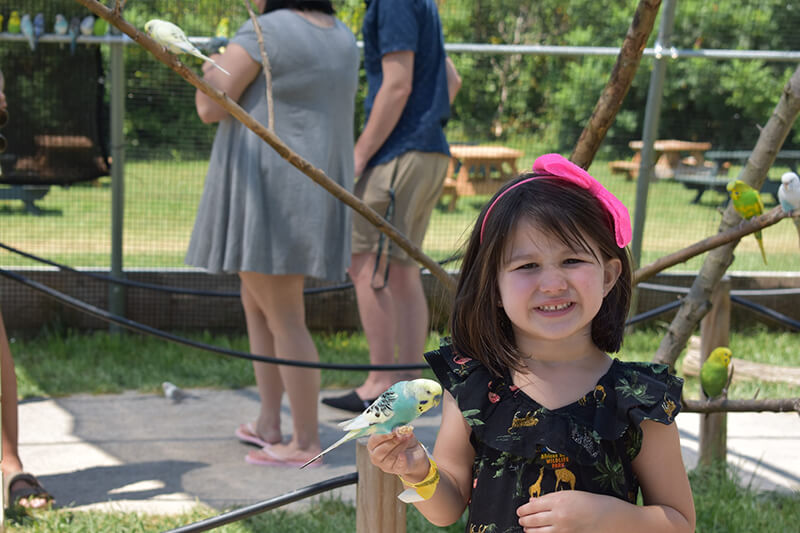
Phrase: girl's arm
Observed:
(668, 504)
(243, 71)
(404, 456)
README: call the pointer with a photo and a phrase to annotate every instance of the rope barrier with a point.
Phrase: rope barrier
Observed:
(767, 312)
(142, 328)
(176, 290)
(267, 505)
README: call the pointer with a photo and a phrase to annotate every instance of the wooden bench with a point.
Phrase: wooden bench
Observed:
(484, 169)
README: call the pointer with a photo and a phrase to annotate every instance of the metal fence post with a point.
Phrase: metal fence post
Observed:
(116, 293)
(377, 506)
(715, 331)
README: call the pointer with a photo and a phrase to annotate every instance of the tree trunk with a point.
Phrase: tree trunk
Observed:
(696, 304)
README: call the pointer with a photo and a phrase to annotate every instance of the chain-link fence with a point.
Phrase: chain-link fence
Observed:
(532, 73)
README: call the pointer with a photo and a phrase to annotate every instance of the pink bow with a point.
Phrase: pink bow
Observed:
(556, 166)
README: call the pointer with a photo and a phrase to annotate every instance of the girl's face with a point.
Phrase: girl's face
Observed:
(549, 291)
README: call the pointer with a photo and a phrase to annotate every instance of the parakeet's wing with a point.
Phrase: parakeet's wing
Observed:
(381, 411)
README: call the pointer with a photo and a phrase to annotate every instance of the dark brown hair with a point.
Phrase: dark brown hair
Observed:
(479, 326)
(323, 6)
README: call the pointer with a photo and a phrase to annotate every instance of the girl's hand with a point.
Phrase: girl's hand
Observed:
(400, 454)
(566, 511)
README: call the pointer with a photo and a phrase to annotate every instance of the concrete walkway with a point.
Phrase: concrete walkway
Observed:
(140, 452)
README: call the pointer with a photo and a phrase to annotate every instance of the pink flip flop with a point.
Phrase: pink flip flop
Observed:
(273, 460)
(247, 433)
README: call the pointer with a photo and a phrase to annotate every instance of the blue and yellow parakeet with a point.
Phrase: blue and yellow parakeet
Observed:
(748, 204)
(26, 26)
(60, 25)
(14, 22)
(714, 373)
(789, 195)
(174, 40)
(398, 406)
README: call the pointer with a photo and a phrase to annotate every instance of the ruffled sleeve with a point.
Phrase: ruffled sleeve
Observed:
(503, 417)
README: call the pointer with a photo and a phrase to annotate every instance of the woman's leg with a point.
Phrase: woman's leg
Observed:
(280, 300)
(267, 426)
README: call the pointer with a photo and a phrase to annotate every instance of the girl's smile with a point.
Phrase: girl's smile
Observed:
(551, 291)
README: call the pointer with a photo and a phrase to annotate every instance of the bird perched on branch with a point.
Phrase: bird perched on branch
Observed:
(174, 40)
(26, 26)
(74, 30)
(398, 406)
(14, 22)
(87, 25)
(60, 25)
(789, 195)
(748, 204)
(38, 26)
(217, 44)
(714, 374)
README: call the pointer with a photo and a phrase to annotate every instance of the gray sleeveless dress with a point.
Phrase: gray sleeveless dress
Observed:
(258, 213)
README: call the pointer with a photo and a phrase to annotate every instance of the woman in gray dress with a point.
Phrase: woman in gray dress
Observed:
(262, 218)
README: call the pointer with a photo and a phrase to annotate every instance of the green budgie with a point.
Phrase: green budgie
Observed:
(714, 373)
(748, 204)
(14, 23)
(398, 406)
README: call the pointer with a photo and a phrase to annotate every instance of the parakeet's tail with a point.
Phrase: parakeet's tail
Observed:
(219, 67)
(761, 246)
(344, 439)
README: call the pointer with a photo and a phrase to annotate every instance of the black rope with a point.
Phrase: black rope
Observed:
(176, 290)
(268, 505)
(152, 286)
(771, 313)
(653, 312)
(142, 328)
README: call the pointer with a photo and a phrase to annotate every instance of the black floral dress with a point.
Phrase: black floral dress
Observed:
(525, 450)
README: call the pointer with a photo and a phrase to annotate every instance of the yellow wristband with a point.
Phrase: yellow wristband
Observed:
(427, 486)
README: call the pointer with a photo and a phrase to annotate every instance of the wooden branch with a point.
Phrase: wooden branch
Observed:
(265, 65)
(729, 235)
(716, 263)
(284, 151)
(630, 55)
(777, 405)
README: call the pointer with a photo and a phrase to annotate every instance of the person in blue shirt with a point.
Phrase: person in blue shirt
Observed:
(401, 158)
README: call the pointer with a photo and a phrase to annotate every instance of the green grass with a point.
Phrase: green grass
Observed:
(59, 361)
(161, 199)
(722, 506)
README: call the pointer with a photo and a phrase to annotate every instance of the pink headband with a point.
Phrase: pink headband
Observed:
(556, 166)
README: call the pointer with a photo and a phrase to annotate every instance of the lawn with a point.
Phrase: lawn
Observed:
(57, 362)
(161, 199)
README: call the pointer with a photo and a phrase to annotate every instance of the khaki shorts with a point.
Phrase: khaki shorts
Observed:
(418, 181)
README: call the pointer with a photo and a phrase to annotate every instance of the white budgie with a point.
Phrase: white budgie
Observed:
(398, 406)
(174, 40)
(789, 195)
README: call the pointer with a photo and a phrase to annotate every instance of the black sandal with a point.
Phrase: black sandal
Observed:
(29, 488)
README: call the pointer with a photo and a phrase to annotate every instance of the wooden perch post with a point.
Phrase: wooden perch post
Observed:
(115, 18)
(715, 331)
(377, 506)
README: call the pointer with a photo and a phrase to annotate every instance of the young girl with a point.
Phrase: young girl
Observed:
(541, 430)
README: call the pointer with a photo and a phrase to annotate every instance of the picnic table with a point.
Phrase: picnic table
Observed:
(668, 155)
(484, 169)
